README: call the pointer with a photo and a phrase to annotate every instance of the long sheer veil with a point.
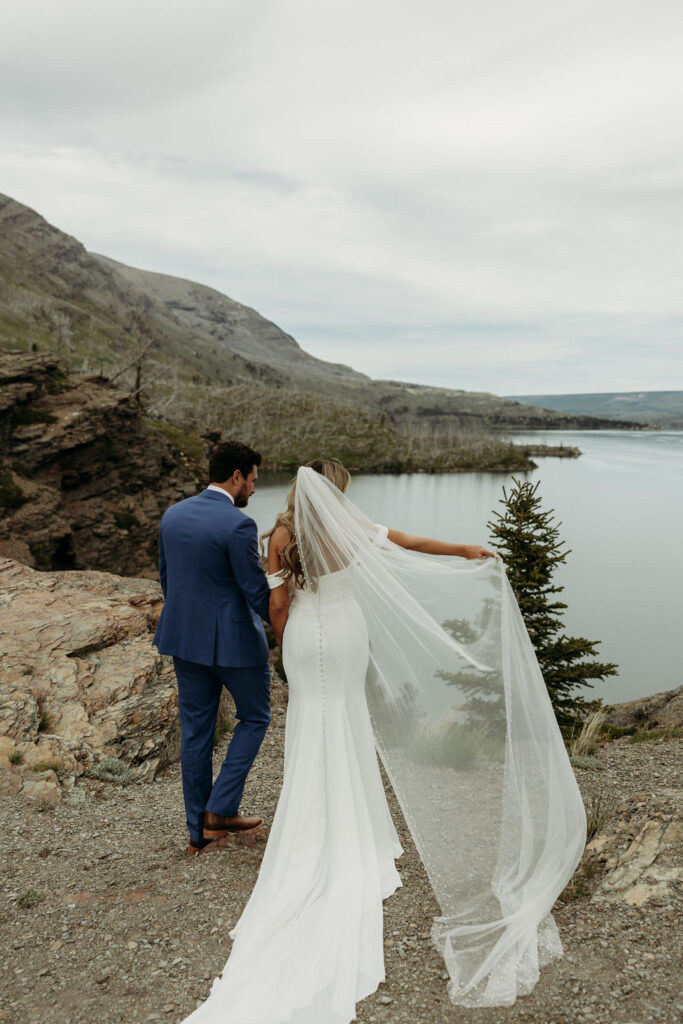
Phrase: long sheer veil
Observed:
(467, 735)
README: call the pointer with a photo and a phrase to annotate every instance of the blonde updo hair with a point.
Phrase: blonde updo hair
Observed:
(337, 474)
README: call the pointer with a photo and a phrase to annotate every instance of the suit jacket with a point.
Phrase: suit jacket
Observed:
(215, 590)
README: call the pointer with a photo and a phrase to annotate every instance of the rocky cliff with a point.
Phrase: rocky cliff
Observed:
(84, 478)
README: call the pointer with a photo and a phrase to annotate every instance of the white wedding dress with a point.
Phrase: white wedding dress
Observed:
(374, 655)
(308, 945)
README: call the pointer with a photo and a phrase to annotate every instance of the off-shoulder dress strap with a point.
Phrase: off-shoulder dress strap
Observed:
(276, 579)
(381, 538)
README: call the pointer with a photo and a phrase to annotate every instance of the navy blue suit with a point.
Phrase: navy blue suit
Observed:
(216, 595)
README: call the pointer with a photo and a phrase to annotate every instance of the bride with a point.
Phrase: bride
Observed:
(428, 661)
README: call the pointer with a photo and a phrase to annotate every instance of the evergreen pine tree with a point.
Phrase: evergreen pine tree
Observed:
(528, 541)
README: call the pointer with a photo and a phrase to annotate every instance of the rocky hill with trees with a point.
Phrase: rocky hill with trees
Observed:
(187, 352)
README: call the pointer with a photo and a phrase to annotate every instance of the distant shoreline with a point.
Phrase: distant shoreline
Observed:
(522, 463)
(560, 451)
(652, 410)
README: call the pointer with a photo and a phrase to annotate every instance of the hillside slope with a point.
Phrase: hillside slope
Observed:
(97, 314)
(211, 319)
(663, 408)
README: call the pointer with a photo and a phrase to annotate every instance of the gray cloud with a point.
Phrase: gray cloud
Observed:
(485, 195)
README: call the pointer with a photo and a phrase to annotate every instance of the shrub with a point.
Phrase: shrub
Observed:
(585, 881)
(45, 721)
(650, 735)
(112, 769)
(29, 898)
(615, 732)
(58, 767)
(601, 807)
(586, 762)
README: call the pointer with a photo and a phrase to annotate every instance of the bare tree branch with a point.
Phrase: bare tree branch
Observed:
(134, 362)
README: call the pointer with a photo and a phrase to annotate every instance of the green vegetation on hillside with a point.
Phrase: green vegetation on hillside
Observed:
(187, 441)
(291, 427)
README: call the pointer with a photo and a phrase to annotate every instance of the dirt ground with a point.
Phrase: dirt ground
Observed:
(127, 928)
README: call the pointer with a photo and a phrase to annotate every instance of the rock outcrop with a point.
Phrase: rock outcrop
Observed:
(83, 691)
(640, 850)
(81, 681)
(634, 806)
(660, 711)
(84, 478)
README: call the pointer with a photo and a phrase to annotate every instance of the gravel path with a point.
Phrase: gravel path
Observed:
(131, 929)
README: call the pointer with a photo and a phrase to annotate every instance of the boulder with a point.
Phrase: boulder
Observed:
(43, 787)
(641, 850)
(81, 680)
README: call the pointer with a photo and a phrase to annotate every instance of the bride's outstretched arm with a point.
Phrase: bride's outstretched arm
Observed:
(279, 596)
(438, 547)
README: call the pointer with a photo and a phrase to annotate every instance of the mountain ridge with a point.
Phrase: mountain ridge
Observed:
(192, 345)
(660, 408)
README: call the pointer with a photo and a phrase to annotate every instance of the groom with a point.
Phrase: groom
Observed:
(216, 595)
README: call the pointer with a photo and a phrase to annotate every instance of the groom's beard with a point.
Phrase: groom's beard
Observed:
(241, 499)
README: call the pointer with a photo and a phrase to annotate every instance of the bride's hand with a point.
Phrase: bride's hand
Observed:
(477, 551)
(429, 546)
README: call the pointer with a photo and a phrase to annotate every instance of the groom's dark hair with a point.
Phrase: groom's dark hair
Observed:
(229, 456)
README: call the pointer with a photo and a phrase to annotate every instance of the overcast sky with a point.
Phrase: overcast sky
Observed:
(485, 195)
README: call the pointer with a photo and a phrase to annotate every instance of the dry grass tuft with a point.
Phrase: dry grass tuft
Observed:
(601, 808)
(586, 743)
(58, 767)
(585, 881)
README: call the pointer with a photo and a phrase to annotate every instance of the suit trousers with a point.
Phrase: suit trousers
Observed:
(199, 694)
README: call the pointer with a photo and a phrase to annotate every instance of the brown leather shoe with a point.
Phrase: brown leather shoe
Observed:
(215, 844)
(194, 848)
(216, 826)
(248, 837)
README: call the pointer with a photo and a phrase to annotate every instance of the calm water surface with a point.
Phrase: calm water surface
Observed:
(621, 509)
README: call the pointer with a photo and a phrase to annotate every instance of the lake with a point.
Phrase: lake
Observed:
(621, 508)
